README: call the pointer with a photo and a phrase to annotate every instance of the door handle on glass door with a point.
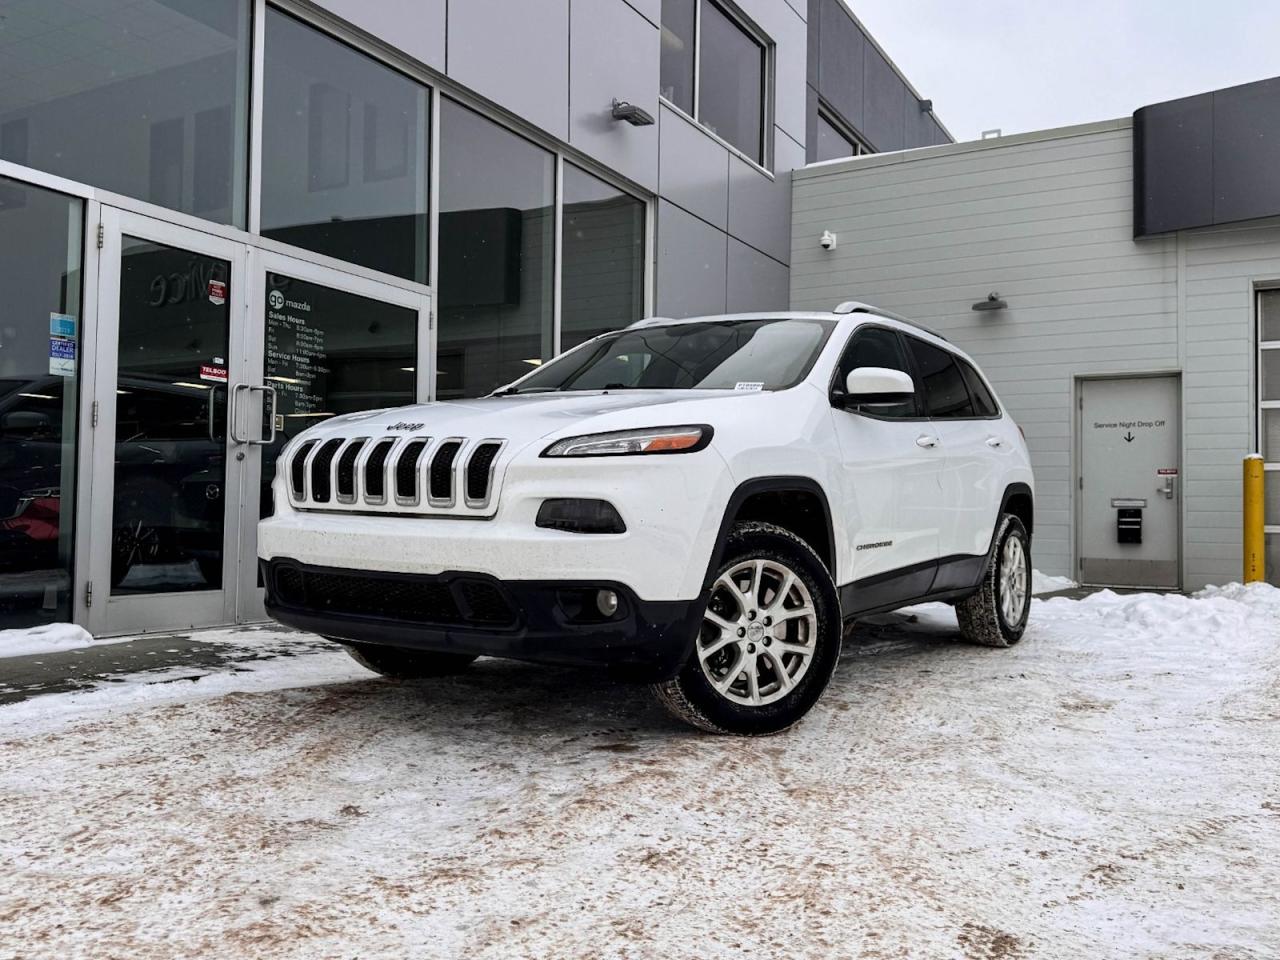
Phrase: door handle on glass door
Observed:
(924, 440)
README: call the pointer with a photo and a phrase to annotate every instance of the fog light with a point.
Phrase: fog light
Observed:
(580, 516)
(607, 602)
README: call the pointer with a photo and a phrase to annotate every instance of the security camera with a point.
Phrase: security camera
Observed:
(828, 240)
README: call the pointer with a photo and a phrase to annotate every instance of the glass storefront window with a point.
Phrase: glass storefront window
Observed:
(40, 360)
(731, 82)
(148, 99)
(497, 254)
(344, 152)
(602, 269)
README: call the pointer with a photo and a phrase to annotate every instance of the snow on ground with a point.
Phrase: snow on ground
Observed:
(49, 638)
(1106, 789)
(1046, 583)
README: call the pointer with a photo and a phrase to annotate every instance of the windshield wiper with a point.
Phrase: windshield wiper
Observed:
(511, 391)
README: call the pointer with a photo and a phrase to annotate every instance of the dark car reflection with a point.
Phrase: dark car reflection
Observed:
(167, 523)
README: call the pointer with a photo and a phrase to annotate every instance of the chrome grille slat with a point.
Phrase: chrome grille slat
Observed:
(441, 481)
(409, 475)
(408, 472)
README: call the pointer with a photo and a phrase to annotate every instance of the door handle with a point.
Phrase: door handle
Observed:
(267, 393)
(994, 441)
(924, 440)
(1167, 489)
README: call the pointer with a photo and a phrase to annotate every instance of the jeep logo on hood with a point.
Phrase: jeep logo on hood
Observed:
(406, 426)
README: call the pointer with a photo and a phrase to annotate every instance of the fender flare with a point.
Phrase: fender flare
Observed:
(1011, 491)
(775, 484)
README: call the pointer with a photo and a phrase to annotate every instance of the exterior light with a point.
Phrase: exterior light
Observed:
(631, 114)
(993, 302)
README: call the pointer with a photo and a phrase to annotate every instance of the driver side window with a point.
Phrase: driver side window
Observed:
(879, 347)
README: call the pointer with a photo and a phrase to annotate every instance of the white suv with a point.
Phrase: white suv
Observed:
(698, 504)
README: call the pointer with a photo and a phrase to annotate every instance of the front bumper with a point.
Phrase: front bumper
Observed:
(473, 613)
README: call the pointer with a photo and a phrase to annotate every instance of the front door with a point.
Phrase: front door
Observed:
(1130, 482)
(168, 452)
(212, 355)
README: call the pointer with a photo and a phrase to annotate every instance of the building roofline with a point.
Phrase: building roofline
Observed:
(829, 167)
(893, 66)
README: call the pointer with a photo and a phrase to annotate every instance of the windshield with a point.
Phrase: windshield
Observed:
(768, 354)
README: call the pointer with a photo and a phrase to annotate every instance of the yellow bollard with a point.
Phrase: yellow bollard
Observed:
(1254, 540)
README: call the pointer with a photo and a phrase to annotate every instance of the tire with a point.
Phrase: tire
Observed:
(996, 616)
(398, 663)
(736, 681)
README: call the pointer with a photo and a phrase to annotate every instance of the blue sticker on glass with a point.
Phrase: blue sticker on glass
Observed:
(62, 325)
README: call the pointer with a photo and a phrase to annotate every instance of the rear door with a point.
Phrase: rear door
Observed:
(963, 413)
(892, 478)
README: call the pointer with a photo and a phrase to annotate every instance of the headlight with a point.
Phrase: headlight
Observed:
(623, 443)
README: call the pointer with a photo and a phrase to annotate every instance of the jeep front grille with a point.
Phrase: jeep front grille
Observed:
(449, 476)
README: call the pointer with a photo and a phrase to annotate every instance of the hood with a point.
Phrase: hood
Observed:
(530, 417)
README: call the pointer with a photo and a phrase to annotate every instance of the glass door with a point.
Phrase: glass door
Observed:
(322, 342)
(171, 430)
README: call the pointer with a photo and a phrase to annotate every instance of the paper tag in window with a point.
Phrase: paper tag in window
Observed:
(217, 292)
(212, 372)
(748, 386)
(62, 325)
(62, 357)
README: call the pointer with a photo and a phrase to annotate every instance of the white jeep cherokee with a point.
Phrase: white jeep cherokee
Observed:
(699, 504)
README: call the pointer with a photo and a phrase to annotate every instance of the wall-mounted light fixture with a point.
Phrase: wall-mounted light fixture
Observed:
(993, 302)
(631, 114)
(926, 106)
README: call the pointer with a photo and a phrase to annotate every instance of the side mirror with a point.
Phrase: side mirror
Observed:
(876, 386)
(26, 422)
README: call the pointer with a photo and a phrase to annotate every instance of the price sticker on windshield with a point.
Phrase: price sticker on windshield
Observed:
(748, 386)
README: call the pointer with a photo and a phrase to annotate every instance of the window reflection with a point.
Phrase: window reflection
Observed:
(40, 275)
(344, 165)
(147, 99)
(171, 402)
(602, 276)
(497, 240)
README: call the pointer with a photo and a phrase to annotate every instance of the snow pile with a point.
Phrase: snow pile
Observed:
(1233, 614)
(1045, 583)
(50, 638)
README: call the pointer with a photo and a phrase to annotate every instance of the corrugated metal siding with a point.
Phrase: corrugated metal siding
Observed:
(1046, 220)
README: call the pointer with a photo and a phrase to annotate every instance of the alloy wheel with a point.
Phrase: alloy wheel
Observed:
(759, 632)
(1013, 580)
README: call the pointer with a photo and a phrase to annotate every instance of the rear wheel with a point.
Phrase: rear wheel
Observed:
(398, 663)
(769, 639)
(996, 616)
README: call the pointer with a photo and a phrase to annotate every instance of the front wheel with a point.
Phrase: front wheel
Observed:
(398, 663)
(996, 616)
(769, 639)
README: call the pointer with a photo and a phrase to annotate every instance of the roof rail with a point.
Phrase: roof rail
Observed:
(857, 306)
(650, 322)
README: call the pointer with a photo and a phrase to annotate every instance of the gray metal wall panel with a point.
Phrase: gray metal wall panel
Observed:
(786, 28)
(814, 28)
(883, 103)
(693, 169)
(516, 54)
(918, 126)
(760, 206)
(415, 26)
(755, 282)
(842, 51)
(651, 10)
(1046, 220)
(691, 264)
(614, 54)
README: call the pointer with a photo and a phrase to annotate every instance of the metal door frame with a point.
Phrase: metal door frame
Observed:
(1077, 463)
(109, 614)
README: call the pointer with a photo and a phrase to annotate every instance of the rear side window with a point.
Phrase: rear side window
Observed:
(984, 404)
(878, 347)
(945, 393)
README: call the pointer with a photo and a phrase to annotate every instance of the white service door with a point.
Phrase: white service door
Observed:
(1129, 485)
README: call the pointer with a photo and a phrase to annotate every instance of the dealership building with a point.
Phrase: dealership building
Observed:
(223, 220)
(1120, 284)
